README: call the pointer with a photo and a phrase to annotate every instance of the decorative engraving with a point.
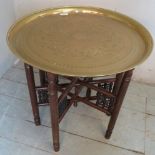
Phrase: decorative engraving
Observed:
(58, 43)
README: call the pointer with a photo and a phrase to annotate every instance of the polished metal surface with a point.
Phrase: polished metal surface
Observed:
(80, 41)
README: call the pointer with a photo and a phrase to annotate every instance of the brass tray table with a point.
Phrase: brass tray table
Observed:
(82, 44)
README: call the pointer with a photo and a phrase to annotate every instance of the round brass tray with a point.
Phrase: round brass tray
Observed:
(80, 41)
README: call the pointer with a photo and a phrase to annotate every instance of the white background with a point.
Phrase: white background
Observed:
(7, 17)
(141, 10)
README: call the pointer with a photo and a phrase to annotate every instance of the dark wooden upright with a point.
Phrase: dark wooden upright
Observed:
(109, 96)
(120, 94)
(53, 102)
(32, 91)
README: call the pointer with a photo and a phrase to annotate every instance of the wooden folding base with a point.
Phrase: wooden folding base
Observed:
(108, 99)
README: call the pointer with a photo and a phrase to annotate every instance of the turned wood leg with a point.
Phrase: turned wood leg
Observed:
(119, 99)
(53, 102)
(119, 78)
(32, 92)
(76, 93)
(42, 75)
(88, 92)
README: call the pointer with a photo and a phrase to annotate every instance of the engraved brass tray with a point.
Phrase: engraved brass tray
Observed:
(80, 41)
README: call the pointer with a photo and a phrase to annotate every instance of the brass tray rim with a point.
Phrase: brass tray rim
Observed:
(122, 18)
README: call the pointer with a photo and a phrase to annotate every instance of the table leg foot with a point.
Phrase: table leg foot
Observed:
(56, 147)
(108, 134)
(37, 121)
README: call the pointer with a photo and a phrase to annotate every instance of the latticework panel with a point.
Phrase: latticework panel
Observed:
(102, 100)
